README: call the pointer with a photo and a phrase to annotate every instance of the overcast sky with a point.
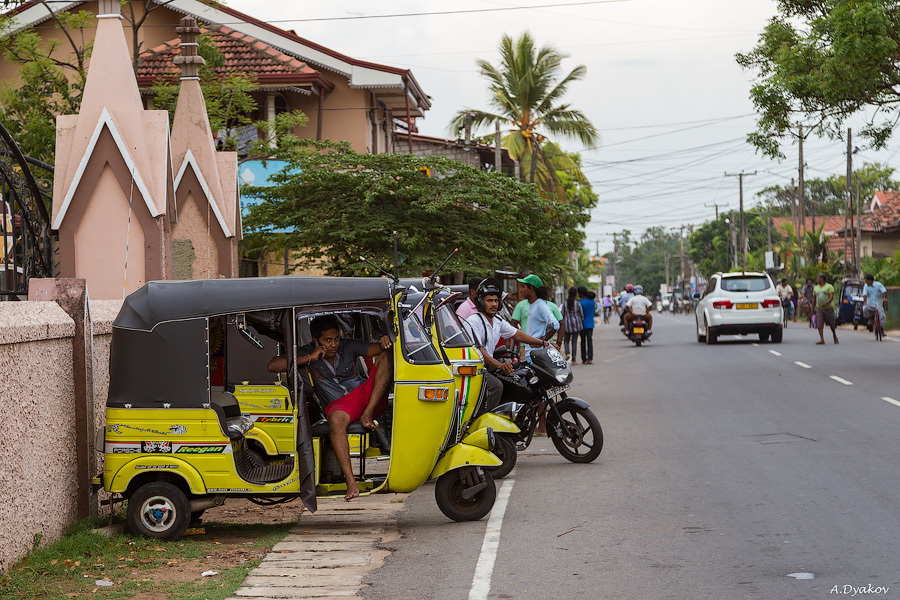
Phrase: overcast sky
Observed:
(662, 87)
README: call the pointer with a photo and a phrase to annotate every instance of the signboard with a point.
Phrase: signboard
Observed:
(255, 173)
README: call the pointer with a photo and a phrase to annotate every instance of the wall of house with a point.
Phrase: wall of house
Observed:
(453, 151)
(885, 245)
(37, 462)
(345, 118)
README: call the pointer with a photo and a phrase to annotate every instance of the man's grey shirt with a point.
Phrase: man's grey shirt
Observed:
(330, 383)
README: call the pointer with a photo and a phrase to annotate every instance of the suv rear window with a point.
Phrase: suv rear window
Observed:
(745, 284)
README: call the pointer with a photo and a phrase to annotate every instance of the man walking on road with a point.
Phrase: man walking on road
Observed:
(823, 303)
(876, 295)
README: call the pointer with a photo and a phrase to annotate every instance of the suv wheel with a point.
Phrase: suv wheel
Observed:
(711, 336)
(777, 334)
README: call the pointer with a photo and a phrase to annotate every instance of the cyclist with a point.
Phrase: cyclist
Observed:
(785, 293)
(876, 295)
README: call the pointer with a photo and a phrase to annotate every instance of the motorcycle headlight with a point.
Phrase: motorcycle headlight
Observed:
(510, 410)
(562, 375)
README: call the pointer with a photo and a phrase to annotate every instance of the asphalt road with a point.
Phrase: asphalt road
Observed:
(726, 470)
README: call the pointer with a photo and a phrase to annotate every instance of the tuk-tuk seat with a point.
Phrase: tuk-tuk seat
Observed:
(228, 410)
(320, 428)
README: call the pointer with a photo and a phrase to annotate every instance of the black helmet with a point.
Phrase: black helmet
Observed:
(488, 287)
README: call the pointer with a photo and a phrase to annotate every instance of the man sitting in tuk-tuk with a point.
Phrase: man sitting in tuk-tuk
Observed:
(347, 394)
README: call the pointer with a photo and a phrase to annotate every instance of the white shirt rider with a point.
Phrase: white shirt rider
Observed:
(639, 304)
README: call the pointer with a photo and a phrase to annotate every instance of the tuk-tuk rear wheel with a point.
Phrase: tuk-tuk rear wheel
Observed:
(448, 492)
(159, 510)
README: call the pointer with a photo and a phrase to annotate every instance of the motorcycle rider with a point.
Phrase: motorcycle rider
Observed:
(638, 305)
(487, 328)
(627, 295)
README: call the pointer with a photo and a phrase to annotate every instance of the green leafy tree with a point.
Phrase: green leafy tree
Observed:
(340, 205)
(51, 80)
(527, 100)
(821, 61)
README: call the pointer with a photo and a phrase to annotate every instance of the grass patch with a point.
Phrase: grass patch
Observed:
(140, 567)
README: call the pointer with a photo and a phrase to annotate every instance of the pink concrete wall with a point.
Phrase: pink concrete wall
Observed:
(37, 461)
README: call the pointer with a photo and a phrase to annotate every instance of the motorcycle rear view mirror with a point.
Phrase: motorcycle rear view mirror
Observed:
(501, 352)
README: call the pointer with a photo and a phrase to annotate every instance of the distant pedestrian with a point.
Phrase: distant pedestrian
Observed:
(823, 302)
(573, 319)
(587, 327)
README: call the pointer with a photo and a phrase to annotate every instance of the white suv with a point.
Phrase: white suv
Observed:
(739, 303)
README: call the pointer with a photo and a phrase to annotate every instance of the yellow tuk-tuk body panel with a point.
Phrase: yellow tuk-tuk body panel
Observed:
(186, 442)
(482, 438)
(420, 425)
(464, 455)
(495, 422)
(274, 419)
(469, 386)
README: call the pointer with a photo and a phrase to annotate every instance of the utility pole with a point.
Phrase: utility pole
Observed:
(681, 239)
(801, 199)
(858, 228)
(740, 177)
(615, 263)
(794, 210)
(716, 205)
(769, 233)
(849, 204)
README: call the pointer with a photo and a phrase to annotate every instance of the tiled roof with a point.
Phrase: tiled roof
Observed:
(242, 53)
(833, 224)
(884, 217)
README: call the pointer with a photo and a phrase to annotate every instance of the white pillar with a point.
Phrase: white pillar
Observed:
(270, 117)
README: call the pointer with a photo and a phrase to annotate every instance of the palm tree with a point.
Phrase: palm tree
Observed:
(526, 96)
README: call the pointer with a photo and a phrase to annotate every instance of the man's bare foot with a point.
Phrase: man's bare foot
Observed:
(367, 421)
(352, 491)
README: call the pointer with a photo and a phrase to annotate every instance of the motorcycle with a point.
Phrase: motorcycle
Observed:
(639, 332)
(538, 389)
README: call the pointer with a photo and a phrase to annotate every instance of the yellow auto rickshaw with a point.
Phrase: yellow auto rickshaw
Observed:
(193, 417)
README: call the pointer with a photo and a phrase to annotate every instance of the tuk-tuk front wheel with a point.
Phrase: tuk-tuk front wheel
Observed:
(159, 510)
(465, 494)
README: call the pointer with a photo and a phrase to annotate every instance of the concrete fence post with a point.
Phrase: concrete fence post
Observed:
(72, 296)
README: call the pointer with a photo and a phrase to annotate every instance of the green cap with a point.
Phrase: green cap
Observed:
(532, 280)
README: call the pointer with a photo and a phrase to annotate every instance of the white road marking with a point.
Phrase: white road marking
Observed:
(802, 364)
(756, 345)
(891, 400)
(481, 583)
(774, 352)
(841, 380)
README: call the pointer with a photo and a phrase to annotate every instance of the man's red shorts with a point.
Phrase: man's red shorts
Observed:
(355, 401)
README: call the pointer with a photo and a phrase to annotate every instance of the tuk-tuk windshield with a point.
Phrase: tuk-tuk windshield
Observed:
(415, 338)
(450, 331)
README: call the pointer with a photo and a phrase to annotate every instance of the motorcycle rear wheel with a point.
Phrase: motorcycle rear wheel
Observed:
(448, 495)
(581, 428)
(505, 450)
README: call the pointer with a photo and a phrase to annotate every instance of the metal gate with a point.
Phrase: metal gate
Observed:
(26, 239)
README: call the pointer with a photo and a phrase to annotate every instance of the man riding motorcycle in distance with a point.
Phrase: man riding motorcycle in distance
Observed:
(623, 299)
(638, 305)
(487, 328)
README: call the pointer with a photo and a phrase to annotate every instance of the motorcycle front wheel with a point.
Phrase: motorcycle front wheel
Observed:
(582, 436)
(505, 450)
(449, 493)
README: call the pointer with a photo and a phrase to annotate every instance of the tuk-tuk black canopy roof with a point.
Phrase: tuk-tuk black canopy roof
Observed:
(161, 301)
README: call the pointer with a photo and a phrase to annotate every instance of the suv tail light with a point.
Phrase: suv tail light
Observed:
(771, 303)
(723, 304)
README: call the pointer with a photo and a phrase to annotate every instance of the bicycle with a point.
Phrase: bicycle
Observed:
(784, 313)
(877, 326)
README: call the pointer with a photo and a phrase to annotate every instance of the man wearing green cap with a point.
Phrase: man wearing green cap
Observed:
(541, 322)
